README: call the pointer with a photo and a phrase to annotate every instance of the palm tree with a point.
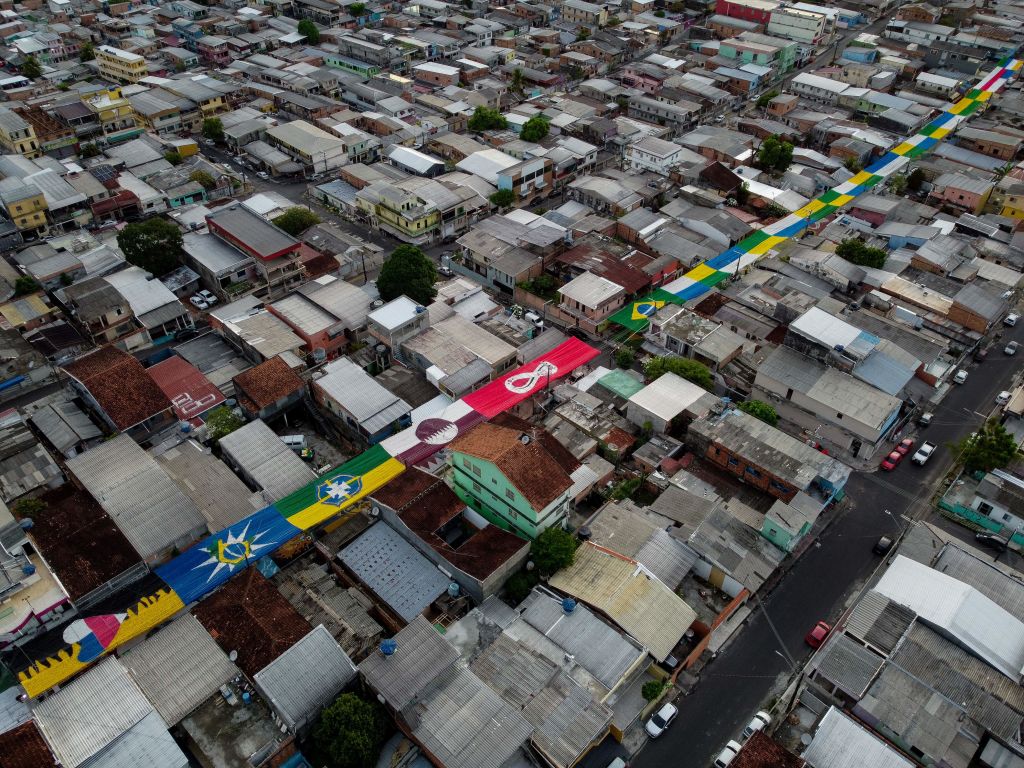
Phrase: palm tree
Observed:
(517, 80)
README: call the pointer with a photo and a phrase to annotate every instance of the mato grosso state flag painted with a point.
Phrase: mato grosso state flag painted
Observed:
(637, 313)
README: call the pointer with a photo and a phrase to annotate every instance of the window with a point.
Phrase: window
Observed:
(465, 463)
(733, 461)
(476, 486)
(509, 494)
(985, 508)
(476, 470)
(753, 472)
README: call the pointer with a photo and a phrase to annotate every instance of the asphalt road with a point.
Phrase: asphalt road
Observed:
(735, 685)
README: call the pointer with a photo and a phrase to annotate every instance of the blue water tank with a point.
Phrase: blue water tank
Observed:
(246, 697)
(388, 647)
(26, 524)
(28, 570)
(568, 605)
(453, 590)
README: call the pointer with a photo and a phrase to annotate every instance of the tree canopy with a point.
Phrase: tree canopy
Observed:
(915, 180)
(487, 119)
(683, 367)
(88, 150)
(31, 68)
(552, 550)
(774, 154)
(222, 421)
(87, 52)
(213, 128)
(767, 96)
(296, 220)
(760, 410)
(310, 31)
(351, 732)
(356, 10)
(991, 447)
(204, 179)
(503, 198)
(856, 251)
(173, 157)
(25, 285)
(407, 271)
(534, 129)
(153, 244)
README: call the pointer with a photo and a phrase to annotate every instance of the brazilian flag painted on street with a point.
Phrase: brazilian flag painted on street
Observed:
(636, 314)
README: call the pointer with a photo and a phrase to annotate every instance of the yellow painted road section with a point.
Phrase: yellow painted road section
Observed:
(810, 209)
(861, 177)
(318, 512)
(903, 148)
(699, 272)
(763, 248)
(961, 105)
(940, 133)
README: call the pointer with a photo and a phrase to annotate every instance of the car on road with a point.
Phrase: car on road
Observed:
(925, 419)
(905, 446)
(882, 546)
(993, 540)
(198, 302)
(263, 174)
(890, 462)
(1003, 398)
(727, 755)
(817, 636)
(661, 720)
(1011, 348)
(761, 721)
(208, 297)
(923, 453)
(227, 167)
(981, 356)
(960, 377)
(1011, 319)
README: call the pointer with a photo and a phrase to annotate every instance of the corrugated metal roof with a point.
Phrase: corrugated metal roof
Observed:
(879, 622)
(667, 558)
(359, 394)
(567, 720)
(305, 678)
(421, 655)
(395, 570)
(143, 501)
(997, 586)
(601, 650)
(179, 667)
(629, 594)
(467, 725)
(64, 425)
(90, 712)
(146, 743)
(848, 664)
(840, 742)
(264, 457)
(513, 670)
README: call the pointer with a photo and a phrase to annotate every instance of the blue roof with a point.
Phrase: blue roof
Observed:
(884, 373)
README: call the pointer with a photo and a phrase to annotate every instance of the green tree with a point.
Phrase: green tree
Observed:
(742, 193)
(408, 272)
(853, 164)
(856, 251)
(31, 68)
(351, 732)
(154, 245)
(517, 80)
(624, 357)
(503, 198)
(915, 180)
(660, 14)
(25, 285)
(308, 29)
(88, 150)
(87, 52)
(652, 689)
(583, 34)
(487, 119)
(991, 447)
(519, 585)
(552, 550)
(766, 97)
(204, 179)
(534, 129)
(357, 9)
(898, 183)
(173, 157)
(296, 220)
(683, 367)
(213, 129)
(760, 410)
(29, 507)
(774, 154)
(222, 421)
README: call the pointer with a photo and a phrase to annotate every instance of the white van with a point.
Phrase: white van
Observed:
(296, 442)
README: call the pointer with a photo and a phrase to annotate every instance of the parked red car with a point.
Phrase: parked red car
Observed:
(817, 636)
(890, 462)
(905, 446)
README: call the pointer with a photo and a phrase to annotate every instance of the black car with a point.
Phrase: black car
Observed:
(883, 545)
(997, 543)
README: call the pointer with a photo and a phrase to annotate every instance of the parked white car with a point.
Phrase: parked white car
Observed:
(1003, 398)
(960, 377)
(727, 755)
(761, 721)
(1011, 319)
(208, 297)
(661, 720)
(263, 174)
(199, 302)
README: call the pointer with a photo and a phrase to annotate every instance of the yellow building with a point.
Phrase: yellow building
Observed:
(407, 216)
(120, 65)
(115, 115)
(25, 205)
(1007, 198)
(18, 136)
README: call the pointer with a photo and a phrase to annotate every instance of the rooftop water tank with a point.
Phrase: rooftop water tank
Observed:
(568, 606)
(388, 647)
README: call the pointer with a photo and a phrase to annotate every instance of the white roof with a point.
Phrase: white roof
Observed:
(440, 69)
(818, 324)
(395, 313)
(486, 164)
(840, 742)
(668, 396)
(305, 137)
(418, 162)
(960, 612)
(590, 290)
(144, 295)
(823, 83)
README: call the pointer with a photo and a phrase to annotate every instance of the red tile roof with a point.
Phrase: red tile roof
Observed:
(607, 265)
(120, 385)
(761, 752)
(250, 616)
(189, 391)
(538, 466)
(23, 747)
(268, 382)
(80, 541)
(426, 505)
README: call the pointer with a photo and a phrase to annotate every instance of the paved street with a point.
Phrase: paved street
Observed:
(735, 685)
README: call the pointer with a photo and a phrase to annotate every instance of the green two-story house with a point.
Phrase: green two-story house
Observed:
(514, 474)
